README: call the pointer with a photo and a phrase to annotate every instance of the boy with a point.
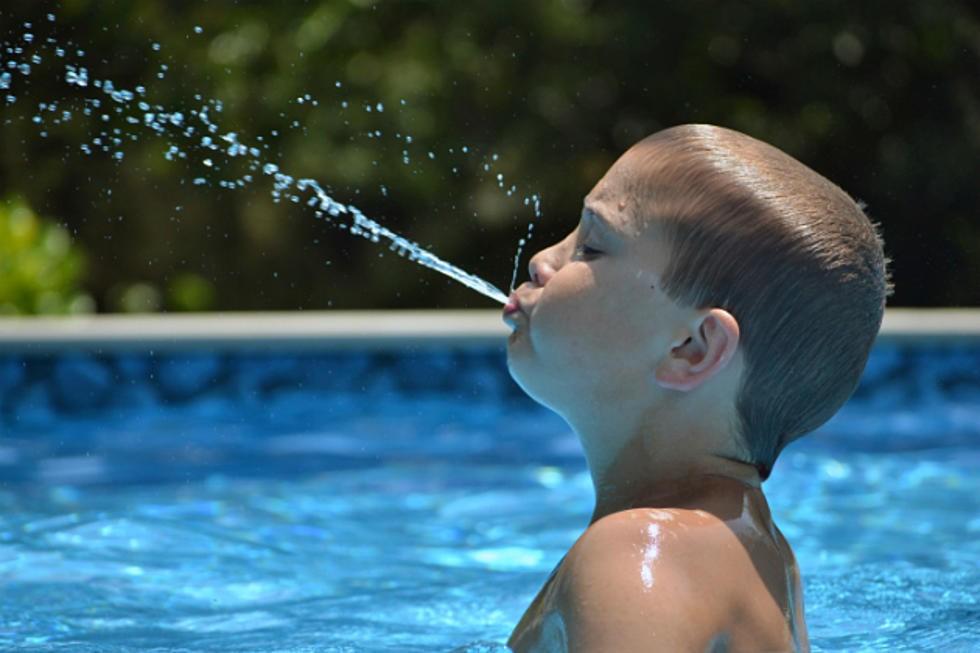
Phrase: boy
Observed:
(717, 300)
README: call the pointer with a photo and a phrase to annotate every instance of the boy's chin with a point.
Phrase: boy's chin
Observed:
(532, 383)
(514, 369)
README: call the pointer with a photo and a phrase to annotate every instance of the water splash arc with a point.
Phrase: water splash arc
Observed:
(406, 247)
(206, 135)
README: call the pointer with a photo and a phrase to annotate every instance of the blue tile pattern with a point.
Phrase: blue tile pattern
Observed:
(227, 408)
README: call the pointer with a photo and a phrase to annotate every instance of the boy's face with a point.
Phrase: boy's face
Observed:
(594, 323)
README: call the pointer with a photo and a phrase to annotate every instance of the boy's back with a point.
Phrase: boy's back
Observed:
(712, 574)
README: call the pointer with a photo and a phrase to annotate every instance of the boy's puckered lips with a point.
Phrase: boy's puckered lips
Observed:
(512, 309)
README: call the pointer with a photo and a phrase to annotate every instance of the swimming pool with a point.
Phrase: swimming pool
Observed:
(405, 496)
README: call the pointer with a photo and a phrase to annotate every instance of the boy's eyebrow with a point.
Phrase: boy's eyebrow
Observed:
(590, 214)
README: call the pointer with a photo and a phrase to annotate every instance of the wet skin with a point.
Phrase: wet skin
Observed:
(713, 561)
(681, 553)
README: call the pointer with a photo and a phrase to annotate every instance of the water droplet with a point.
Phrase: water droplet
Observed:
(28, 37)
(156, 47)
(198, 29)
(51, 17)
(76, 77)
(208, 162)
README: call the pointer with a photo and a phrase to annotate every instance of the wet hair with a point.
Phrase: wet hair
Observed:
(790, 255)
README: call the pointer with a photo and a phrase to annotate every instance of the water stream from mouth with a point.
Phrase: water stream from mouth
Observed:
(198, 131)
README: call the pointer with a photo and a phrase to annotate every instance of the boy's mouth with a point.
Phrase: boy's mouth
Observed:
(512, 305)
(512, 309)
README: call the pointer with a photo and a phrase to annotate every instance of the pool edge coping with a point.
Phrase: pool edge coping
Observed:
(355, 329)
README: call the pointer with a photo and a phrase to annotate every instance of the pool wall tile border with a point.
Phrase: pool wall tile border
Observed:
(329, 330)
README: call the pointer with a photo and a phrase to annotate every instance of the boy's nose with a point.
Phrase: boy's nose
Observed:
(540, 269)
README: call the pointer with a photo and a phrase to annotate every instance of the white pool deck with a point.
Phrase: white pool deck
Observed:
(347, 329)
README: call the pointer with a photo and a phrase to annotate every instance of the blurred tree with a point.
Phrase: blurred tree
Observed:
(191, 292)
(40, 268)
(881, 98)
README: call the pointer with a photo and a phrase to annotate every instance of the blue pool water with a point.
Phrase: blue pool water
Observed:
(415, 501)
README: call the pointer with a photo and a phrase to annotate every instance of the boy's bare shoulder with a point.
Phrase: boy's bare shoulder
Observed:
(656, 555)
(678, 578)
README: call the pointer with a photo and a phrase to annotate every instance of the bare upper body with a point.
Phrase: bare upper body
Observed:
(681, 553)
(712, 574)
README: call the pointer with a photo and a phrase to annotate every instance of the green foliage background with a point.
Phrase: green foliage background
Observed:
(882, 98)
(39, 265)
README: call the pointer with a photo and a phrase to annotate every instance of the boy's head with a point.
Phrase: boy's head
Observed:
(713, 280)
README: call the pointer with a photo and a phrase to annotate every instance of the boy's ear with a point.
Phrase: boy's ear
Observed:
(700, 351)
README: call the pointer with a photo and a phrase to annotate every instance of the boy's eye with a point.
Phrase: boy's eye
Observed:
(585, 251)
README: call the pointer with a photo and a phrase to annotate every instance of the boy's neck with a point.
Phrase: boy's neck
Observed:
(632, 480)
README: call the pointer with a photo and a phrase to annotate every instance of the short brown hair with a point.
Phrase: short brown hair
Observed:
(789, 254)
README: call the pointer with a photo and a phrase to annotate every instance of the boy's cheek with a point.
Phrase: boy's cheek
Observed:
(577, 337)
